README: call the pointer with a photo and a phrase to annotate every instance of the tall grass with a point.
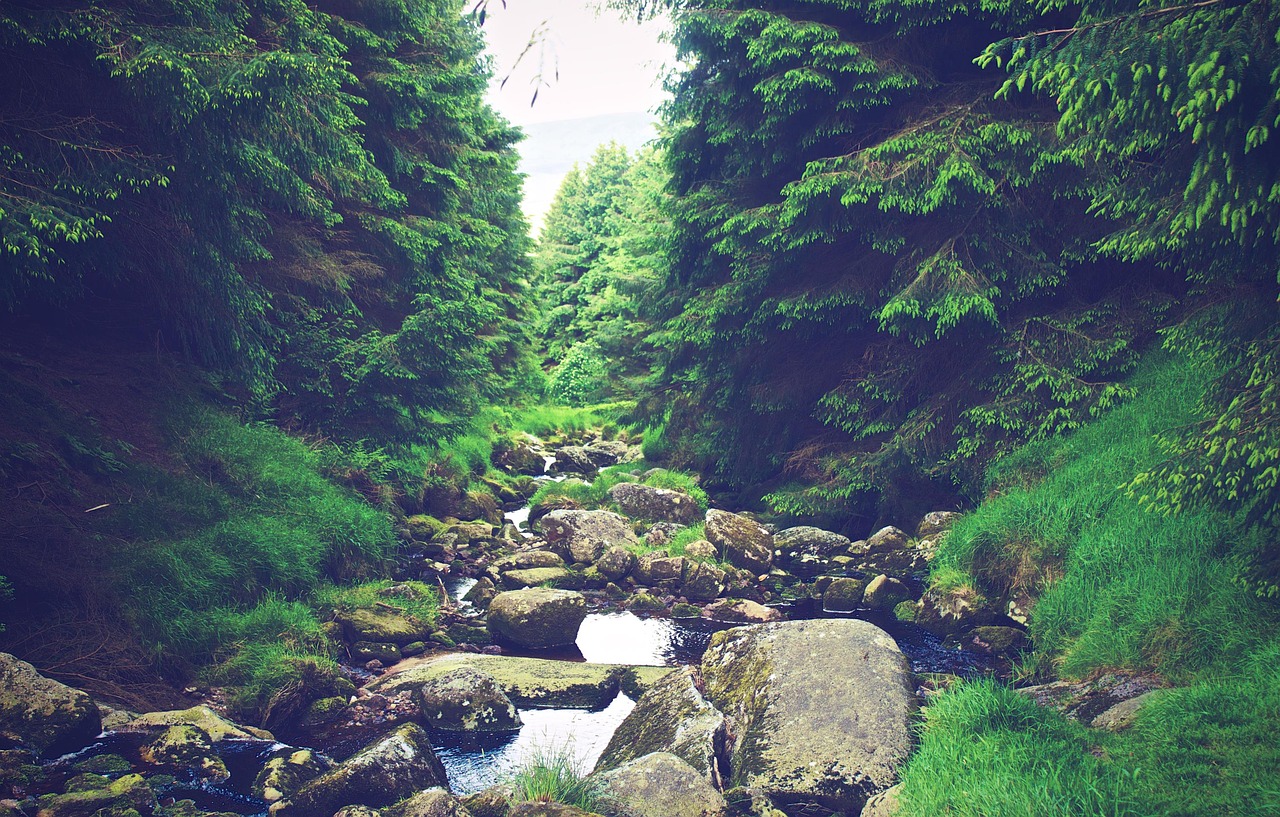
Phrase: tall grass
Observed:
(552, 774)
(543, 421)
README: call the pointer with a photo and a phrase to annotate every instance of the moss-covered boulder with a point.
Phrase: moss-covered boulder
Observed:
(187, 747)
(658, 785)
(481, 593)
(536, 682)
(645, 603)
(672, 716)
(537, 617)
(702, 581)
(795, 544)
(994, 640)
(701, 549)
(384, 651)
(115, 798)
(820, 710)
(885, 592)
(546, 809)
(615, 563)
(429, 803)
(535, 577)
(467, 700)
(381, 625)
(953, 610)
(657, 568)
(491, 802)
(581, 536)
(843, 594)
(740, 611)
(386, 771)
(742, 540)
(42, 714)
(285, 773)
(935, 523)
(211, 723)
(655, 504)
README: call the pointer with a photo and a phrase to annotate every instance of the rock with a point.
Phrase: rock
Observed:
(211, 723)
(554, 502)
(655, 504)
(887, 539)
(1124, 714)
(954, 611)
(742, 541)
(520, 457)
(479, 505)
(114, 718)
(379, 625)
(42, 714)
(740, 611)
(115, 797)
(700, 549)
(526, 560)
(672, 716)
(529, 682)
(703, 581)
(467, 700)
(658, 785)
(656, 567)
(936, 522)
(994, 640)
(537, 617)
(682, 610)
(906, 611)
(1086, 700)
(534, 577)
(883, 804)
(285, 773)
(428, 803)
(424, 528)
(604, 453)
(481, 593)
(491, 802)
(385, 653)
(615, 562)
(541, 809)
(573, 459)
(186, 746)
(584, 535)
(843, 594)
(884, 593)
(796, 543)
(384, 772)
(821, 711)
(357, 811)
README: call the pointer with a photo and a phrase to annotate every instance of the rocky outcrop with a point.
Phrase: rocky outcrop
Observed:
(820, 710)
(581, 536)
(658, 785)
(953, 611)
(655, 504)
(384, 772)
(465, 699)
(42, 714)
(743, 541)
(672, 716)
(537, 617)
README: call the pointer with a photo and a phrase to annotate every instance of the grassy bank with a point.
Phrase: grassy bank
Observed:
(1115, 586)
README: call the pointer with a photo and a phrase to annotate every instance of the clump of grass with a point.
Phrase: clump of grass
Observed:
(552, 774)
(987, 750)
(543, 421)
(684, 537)
(417, 599)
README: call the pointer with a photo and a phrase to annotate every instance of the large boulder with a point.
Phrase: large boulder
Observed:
(428, 803)
(537, 617)
(658, 785)
(384, 772)
(382, 626)
(211, 723)
(42, 714)
(573, 459)
(607, 452)
(806, 541)
(656, 567)
(125, 795)
(615, 562)
(655, 504)
(702, 581)
(820, 710)
(467, 700)
(583, 535)
(742, 540)
(672, 716)
(953, 611)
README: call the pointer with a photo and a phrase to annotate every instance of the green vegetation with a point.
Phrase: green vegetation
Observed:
(552, 774)
(595, 493)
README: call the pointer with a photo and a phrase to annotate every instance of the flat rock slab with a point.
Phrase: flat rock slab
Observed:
(529, 682)
(820, 710)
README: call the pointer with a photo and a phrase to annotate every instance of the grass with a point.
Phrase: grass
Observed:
(595, 494)
(422, 601)
(552, 774)
(1116, 587)
(545, 421)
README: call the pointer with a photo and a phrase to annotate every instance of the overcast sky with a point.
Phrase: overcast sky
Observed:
(605, 64)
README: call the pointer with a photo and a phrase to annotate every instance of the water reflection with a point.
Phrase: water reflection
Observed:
(475, 765)
(625, 638)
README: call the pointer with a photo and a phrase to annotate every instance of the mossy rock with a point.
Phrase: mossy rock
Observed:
(843, 594)
(424, 528)
(116, 798)
(529, 682)
(41, 714)
(429, 803)
(324, 710)
(364, 651)
(537, 617)
(671, 716)
(377, 624)
(658, 785)
(645, 603)
(884, 593)
(211, 723)
(534, 577)
(285, 773)
(189, 747)
(683, 610)
(463, 633)
(906, 611)
(491, 802)
(467, 700)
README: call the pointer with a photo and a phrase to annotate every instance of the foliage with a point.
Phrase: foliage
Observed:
(547, 420)
(411, 598)
(599, 261)
(317, 202)
(553, 774)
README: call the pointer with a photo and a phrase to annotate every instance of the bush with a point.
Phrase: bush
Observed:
(581, 378)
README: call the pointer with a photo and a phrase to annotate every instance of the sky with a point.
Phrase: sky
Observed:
(605, 64)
